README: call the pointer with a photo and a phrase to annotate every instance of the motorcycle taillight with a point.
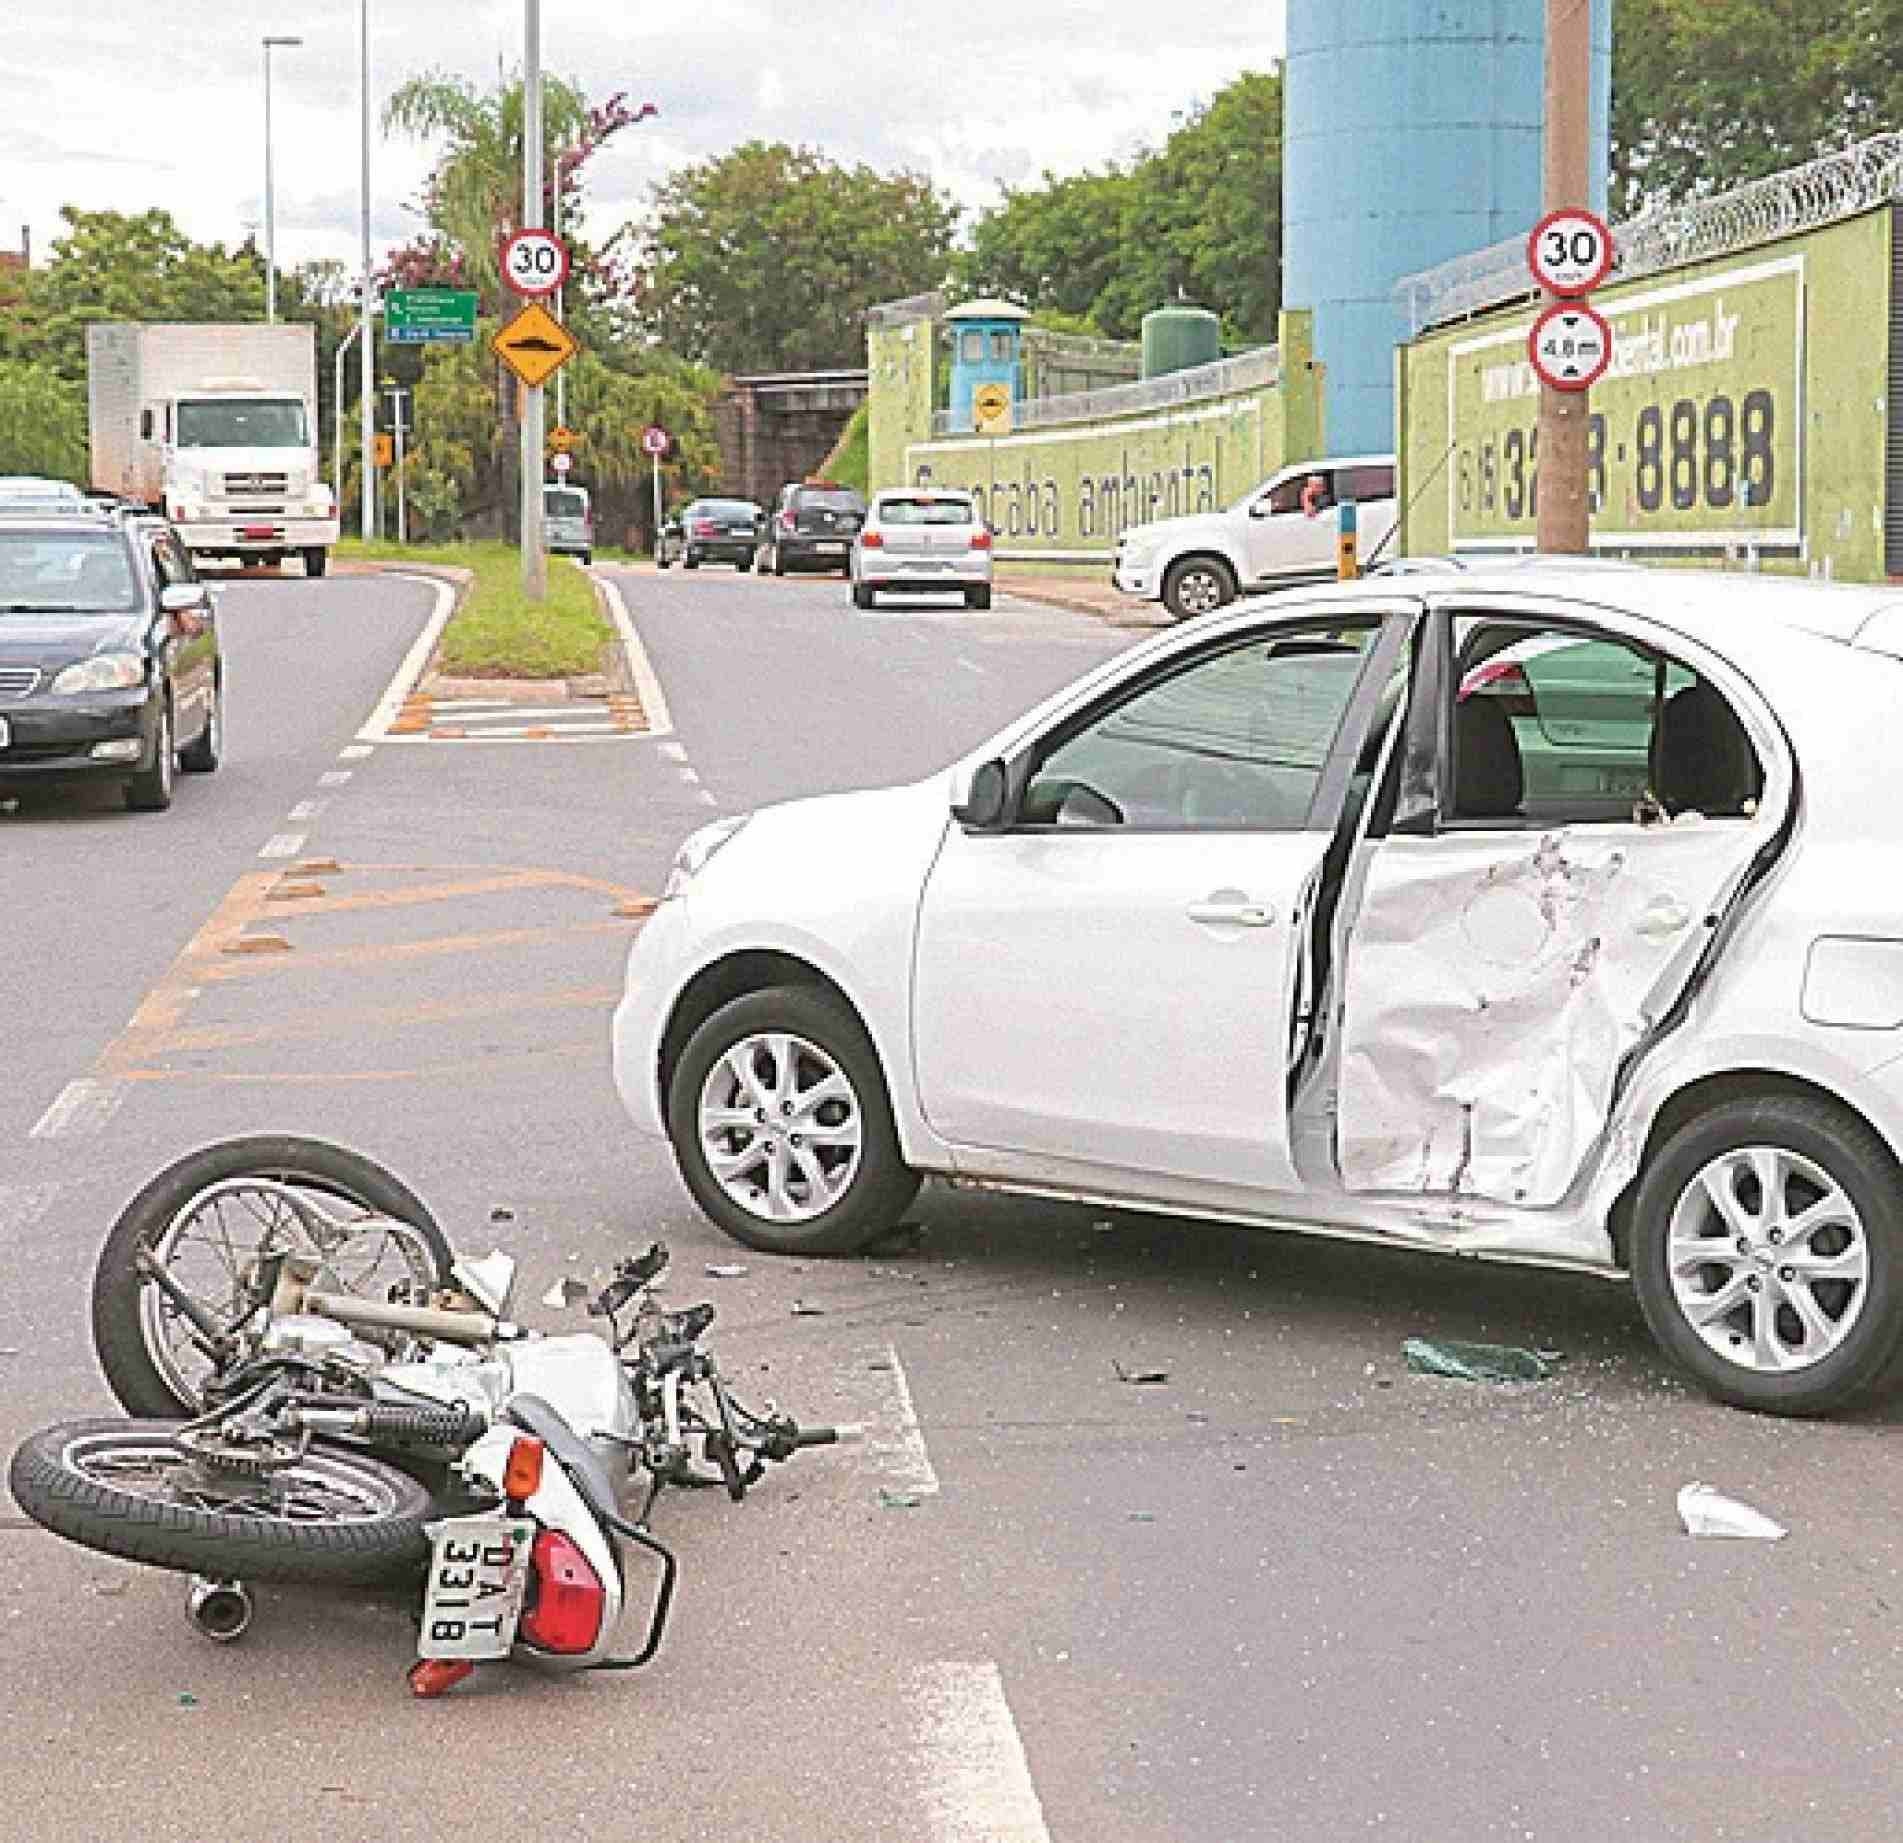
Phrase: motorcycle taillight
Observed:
(566, 1598)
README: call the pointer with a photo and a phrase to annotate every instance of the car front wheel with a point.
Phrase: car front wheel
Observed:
(1767, 1254)
(1197, 585)
(781, 1124)
(150, 790)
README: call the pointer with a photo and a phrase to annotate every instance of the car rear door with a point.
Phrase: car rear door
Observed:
(1111, 981)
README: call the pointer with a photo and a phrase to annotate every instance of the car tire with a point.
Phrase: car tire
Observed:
(819, 1038)
(690, 561)
(150, 790)
(1195, 586)
(779, 562)
(743, 564)
(587, 558)
(660, 562)
(316, 562)
(1795, 1340)
(978, 598)
(203, 754)
(862, 595)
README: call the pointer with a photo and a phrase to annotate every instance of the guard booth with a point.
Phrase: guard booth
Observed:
(986, 348)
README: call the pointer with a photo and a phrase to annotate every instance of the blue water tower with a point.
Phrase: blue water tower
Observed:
(986, 342)
(1411, 135)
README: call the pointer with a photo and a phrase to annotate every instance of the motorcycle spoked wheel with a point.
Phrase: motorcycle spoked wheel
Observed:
(332, 1517)
(197, 1217)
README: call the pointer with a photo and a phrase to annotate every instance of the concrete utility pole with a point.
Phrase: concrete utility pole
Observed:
(1565, 518)
(270, 189)
(534, 560)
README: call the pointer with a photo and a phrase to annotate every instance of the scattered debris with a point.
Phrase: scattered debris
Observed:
(186, 1700)
(1139, 1376)
(1103, 1226)
(726, 1270)
(1706, 1512)
(111, 1588)
(898, 1500)
(1142, 1516)
(636, 908)
(9, 1350)
(564, 1294)
(502, 1213)
(1474, 1362)
(802, 1310)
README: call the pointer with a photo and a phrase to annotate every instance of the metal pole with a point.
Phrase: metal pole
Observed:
(270, 224)
(367, 407)
(1564, 522)
(337, 420)
(534, 560)
(561, 311)
(657, 506)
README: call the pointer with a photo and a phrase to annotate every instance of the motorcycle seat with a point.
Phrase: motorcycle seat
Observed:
(571, 1452)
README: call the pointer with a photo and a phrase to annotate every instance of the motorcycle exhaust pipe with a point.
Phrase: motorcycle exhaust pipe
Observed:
(221, 1610)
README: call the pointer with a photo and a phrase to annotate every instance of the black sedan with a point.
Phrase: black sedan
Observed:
(711, 531)
(109, 659)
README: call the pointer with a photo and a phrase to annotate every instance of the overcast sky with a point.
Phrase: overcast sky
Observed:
(127, 104)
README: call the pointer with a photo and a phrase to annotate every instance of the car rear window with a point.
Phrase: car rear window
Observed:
(838, 500)
(565, 505)
(922, 510)
(727, 508)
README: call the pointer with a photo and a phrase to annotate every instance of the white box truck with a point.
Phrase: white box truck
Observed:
(216, 426)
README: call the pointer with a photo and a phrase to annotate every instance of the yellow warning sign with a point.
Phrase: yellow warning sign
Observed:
(535, 345)
(561, 439)
(991, 409)
(385, 450)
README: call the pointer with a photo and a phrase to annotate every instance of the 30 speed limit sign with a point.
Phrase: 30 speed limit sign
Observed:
(1570, 253)
(534, 262)
(1570, 346)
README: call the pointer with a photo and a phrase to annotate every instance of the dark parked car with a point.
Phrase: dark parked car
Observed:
(711, 531)
(812, 528)
(109, 660)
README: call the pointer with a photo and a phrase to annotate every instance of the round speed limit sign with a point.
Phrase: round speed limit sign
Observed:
(534, 262)
(1570, 346)
(1570, 253)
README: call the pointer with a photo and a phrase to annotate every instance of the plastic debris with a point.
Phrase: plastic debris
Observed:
(565, 1293)
(186, 1700)
(726, 1270)
(898, 1500)
(1474, 1362)
(1706, 1512)
(802, 1310)
(1139, 1376)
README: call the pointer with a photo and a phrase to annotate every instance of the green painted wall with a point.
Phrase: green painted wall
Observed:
(1062, 494)
(899, 394)
(1743, 415)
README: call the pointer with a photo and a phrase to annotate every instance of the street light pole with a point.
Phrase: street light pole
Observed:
(534, 560)
(270, 196)
(367, 405)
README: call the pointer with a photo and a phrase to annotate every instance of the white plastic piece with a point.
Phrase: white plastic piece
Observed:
(1706, 1512)
(489, 1281)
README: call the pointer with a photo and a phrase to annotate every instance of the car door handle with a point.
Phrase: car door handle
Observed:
(1232, 913)
(1663, 918)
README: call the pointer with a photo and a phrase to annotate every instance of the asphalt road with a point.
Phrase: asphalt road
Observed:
(1288, 1590)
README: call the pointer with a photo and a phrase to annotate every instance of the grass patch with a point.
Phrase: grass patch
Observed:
(498, 632)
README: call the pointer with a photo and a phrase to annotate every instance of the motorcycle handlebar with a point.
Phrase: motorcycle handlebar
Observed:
(845, 1434)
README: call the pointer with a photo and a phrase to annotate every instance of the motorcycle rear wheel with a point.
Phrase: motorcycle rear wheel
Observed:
(127, 1488)
(198, 1218)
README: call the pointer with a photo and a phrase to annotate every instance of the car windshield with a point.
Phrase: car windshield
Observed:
(64, 573)
(242, 422)
(567, 503)
(923, 511)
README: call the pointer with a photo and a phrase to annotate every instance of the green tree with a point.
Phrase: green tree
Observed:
(42, 422)
(1054, 247)
(1707, 94)
(766, 258)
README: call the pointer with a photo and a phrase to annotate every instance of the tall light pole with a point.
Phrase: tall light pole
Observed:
(367, 408)
(270, 204)
(534, 562)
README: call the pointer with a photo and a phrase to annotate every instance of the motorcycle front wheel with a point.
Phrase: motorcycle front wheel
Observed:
(131, 1488)
(211, 1217)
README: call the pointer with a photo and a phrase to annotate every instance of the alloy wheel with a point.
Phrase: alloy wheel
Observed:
(780, 1126)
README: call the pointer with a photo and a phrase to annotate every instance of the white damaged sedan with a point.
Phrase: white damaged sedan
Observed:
(1549, 915)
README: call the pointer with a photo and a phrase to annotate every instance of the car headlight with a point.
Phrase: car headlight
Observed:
(103, 672)
(696, 851)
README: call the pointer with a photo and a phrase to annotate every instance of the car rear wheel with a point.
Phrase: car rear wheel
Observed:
(1197, 585)
(782, 1126)
(862, 596)
(978, 598)
(150, 790)
(1767, 1254)
(691, 561)
(316, 561)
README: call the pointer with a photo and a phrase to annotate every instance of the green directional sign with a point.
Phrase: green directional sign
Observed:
(429, 316)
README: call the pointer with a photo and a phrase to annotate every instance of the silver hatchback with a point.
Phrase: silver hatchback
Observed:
(922, 540)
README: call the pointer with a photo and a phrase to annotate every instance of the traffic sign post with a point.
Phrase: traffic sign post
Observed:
(655, 442)
(560, 462)
(1570, 253)
(534, 263)
(429, 316)
(535, 345)
(1570, 346)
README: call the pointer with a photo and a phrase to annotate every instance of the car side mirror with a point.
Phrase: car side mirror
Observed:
(1262, 509)
(987, 800)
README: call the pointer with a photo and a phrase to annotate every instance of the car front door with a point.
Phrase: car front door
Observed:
(1291, 526)
(1582, 805)
(1110, 977)
(190, 646)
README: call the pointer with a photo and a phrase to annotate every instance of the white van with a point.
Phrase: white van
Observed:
(568, 523)
(1280, 532)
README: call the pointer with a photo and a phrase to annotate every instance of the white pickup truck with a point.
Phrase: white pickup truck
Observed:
(1283, 531)
(216, 427)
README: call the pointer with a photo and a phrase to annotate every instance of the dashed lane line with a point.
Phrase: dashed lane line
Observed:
(881, 1397)
(973, 1777)
(79, 1110)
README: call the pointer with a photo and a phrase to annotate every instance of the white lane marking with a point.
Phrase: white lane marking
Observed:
(970, 665)
(708, 798)
(882, 1399)
(653, 700)
(355, 752)
(333, 777)
(283, 845)
(377, 724)
(689, 776)
(673, 751)
(974, 1779)
(22, 1205)
(80, 1108)
(541, 732)
(305, 809)
(495, 707)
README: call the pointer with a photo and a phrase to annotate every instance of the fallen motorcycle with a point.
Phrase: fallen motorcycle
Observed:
(328, 1395)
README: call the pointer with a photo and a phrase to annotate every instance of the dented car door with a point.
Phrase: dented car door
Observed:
(1519, 934)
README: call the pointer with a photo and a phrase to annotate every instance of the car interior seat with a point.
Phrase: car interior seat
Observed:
(1702, 761)
(1489, 778)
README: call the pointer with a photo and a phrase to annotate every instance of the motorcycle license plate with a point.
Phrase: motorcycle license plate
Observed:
(478, 1573)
